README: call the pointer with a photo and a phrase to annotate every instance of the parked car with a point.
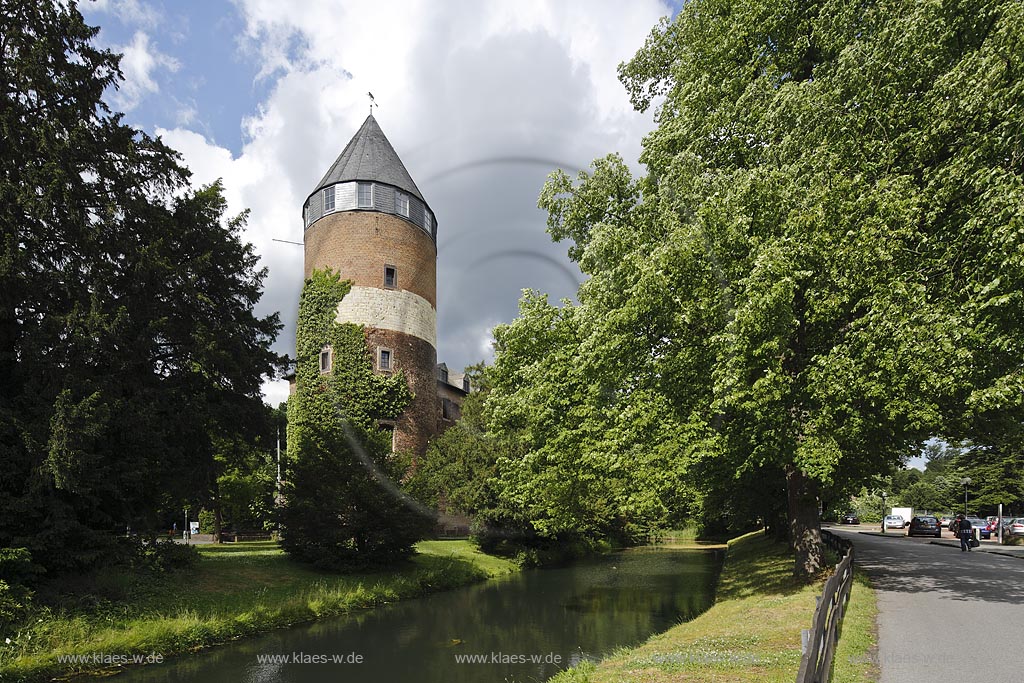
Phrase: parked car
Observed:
(1015, 527)
(980, 526)
(850, 518)
(993, 524)
(925, 525)
(892, 522)
(945, 521)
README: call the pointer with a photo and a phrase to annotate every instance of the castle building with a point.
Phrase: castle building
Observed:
(367, 220)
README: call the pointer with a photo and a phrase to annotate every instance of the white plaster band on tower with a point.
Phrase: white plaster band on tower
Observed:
(390, 309)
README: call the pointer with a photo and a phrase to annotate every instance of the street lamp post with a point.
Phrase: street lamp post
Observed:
(965, 482)
(883, 511)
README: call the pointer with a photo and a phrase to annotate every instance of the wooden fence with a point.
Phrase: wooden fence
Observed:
(819, 643)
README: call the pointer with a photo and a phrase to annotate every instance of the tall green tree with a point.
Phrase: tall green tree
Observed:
(592, 449)
(127, 332)
(457, 473)
(996, 472)
(826, 248)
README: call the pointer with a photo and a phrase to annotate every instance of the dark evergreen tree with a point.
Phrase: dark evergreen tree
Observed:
(127, 333)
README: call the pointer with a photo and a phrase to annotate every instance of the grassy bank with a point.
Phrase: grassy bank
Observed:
(235, 590)
(856, 658)
(752, 633)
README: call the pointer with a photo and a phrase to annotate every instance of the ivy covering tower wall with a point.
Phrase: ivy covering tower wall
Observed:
(342, 506)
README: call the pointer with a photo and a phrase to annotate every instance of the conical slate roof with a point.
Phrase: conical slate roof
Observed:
(369, 156)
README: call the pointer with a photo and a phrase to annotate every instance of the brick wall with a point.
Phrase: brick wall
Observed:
(418, 423)
(358, 244)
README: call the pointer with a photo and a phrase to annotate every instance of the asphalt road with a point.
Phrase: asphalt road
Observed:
(943, 614)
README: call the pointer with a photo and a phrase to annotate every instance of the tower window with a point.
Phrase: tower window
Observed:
(325, 360)
(329, 199)
(390, 277)
(402, 204)
(427, 220)
(365, 195)
(384, 359)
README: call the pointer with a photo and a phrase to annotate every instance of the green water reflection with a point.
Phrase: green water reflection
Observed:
(558, 616)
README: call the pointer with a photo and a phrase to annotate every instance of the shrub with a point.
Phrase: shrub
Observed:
(17, 572)
(155, 556)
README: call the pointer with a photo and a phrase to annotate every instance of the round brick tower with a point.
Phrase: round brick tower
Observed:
(367, 220)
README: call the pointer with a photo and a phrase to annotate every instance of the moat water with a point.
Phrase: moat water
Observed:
(521, 628)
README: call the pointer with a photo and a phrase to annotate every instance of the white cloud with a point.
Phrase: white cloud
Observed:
(275, 393)
(481, 101)
(139, 63)
(186, 114)
(132, 12)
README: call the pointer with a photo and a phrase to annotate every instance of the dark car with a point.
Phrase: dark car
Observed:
(980, 527)
(925, 525)
(850, 518)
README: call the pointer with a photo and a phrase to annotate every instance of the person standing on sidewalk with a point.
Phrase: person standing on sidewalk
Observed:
(966, 533)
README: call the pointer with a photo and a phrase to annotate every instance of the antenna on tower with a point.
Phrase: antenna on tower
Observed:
(372, 103)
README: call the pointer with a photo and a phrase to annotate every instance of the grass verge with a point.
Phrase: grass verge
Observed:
(751, 633)
(235, 590)
(856, 658)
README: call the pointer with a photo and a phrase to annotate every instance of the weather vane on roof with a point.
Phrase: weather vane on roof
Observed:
(372, 103)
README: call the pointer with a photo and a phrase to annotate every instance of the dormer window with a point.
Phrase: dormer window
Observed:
(325, 360)
(384, 360)
(402, 204)
(465, 384)
(442, 374)
(329, 199)
(390, 277)
(365, 196)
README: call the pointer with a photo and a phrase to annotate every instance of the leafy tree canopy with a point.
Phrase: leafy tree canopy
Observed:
(823, 264)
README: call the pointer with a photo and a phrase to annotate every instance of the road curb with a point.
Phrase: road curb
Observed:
(879, 534)
(983, 550)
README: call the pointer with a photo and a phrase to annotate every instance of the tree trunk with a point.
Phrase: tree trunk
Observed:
(218, 519)
(804, 526)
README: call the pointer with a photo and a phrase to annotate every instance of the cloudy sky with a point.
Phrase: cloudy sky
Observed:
(481, 99)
